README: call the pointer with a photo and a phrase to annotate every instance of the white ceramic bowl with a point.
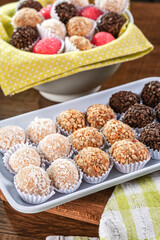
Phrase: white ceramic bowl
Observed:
(78, 84)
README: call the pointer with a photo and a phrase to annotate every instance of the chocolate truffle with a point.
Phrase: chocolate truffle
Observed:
(65, 11)
(26, 17)
(80, 3)
(86, 137)
(115, 130)
(63, 173)
(138, 116)
(24, 38)
(150, 136)
(129, 151)
(117, 6)
(93, 161)
(157, 109)
(10, 136)
(33, 180)
(29, 4)
(71, 120)
(79, 26)
(81, 43)
(40, 128)
(98, 115)
(54, 146)
(121, 101)
(23, 157)
(151, 94)
(111, 22)
(55, 27)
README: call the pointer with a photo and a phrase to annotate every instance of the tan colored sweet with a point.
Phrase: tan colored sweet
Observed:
(93, 161)
(23, 157)
(86, 137)
(54, 146)
(129, 151)
(26, 17)
(71, 120)
(79, 26)
(115, 130)
(81, 43)
(99, 114)
(10, 136)
(40, 128)
(117, 6)
(63, 174)
(80, 3)
(33, 180)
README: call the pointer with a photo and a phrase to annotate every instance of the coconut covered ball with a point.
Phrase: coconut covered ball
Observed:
(98, 115)
(54, 146)
(71, 120)
(23, 157)
(40, 128)
(86, 137)
(26, 17)
(81, 43)
(93, 161)
(129, 151)
(80, 3)
(10, 136)
(63, 174)
(117, 6)
(33, 180)
(55, 27)
(115, 130)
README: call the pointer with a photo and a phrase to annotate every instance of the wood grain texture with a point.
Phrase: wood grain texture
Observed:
(14, 225)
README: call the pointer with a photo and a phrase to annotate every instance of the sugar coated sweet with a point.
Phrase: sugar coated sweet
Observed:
(117, 6)
(102, 38)
(46, 12)
(80, 3)
(63, 173)
(47, 46)
(91, 12)
(56, 27)
(10, 136)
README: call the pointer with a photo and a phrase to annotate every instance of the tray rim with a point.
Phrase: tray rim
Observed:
(78, 194)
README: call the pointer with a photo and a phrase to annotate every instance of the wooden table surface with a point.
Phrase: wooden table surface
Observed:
(14, 225)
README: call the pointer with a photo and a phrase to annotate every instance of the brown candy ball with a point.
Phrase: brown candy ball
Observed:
(151, 94)
(66, 11)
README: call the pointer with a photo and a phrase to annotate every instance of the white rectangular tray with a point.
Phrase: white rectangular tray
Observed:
(6, 184)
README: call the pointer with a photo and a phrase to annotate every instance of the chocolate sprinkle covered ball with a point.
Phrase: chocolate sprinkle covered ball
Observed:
(66, 11)
(30, 4)
(121, 101)
(150, 136)
(111, 22)
(138, 116)
(157, 109)
(24, 37)
(151, 94)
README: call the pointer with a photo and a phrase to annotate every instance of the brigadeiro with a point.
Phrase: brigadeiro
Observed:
(151, 94)
(121, 101)
(138, 116)
(63, 11)
(86, 137)
(24, 38)
(117, 6)
(115, 130)
(91, 12)
(54, 146)
(77, 43)
(50, 45)
(40, 128)
(26, 17)
(29, 4)
(10, 136)
(157, 109)
(98, 115)
(150, 136)
(71, 120)
(102, 38)
(111, 22)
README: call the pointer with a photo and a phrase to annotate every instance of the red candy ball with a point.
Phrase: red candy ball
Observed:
(102, 38)
(47, 46)
(46, 12)
(91, 12)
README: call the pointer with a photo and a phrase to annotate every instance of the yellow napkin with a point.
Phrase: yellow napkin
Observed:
(20, 70)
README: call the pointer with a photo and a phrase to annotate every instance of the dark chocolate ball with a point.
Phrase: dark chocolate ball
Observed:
(30, 4)
(66, 11)
(24, 38)
(157, 109)
(121, 101)
(138, 116)
(111, 22)
(151, 94)
(150, 136)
